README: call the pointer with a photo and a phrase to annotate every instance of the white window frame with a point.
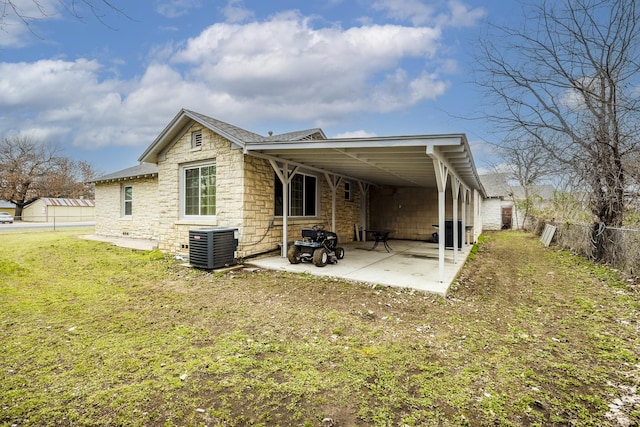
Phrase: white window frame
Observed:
(304, 196)
(182, 195)
(348, 191)
(124, 201)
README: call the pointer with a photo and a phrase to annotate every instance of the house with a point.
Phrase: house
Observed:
(51, 209)
(204, 173)
(7, 207)
(502, 208)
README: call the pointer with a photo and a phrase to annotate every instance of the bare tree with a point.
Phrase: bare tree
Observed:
(527, 164)
(569, 80)
(69, 178)
(27, 11)
(30, 169)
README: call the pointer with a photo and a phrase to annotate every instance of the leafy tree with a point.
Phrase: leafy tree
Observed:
(568, 79)
(30, 169)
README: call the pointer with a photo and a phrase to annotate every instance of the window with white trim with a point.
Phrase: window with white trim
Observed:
(196, 139)
(127, 200)
(347, 191)
(198, 187)
(303, 199)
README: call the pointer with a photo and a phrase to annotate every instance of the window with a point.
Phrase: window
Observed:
(196, 139)
(302, 195)
(347, 191)
(199, 190)
(127, 200)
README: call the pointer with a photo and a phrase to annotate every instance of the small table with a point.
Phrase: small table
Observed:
(380, 236)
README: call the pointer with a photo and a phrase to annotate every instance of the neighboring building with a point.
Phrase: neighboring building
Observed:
(49, 209)
(500, 209)
(8, 207)
(202, 173)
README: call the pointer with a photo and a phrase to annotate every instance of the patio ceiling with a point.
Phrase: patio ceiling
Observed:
(390, 161)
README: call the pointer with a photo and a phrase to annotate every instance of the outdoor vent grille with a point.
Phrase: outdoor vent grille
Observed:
(212, 248)
(196, 139)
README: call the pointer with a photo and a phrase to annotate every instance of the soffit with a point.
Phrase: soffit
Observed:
(390, 161)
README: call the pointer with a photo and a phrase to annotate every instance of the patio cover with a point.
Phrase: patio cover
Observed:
(441, 162)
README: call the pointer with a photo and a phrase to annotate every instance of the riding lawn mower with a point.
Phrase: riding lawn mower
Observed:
(317, 246)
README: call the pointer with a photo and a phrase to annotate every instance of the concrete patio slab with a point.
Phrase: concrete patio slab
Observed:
(124, 242)
(410, 264)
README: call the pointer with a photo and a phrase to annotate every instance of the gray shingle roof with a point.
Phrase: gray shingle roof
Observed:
(239, 133)
(247, 136)
(233, 133)
(496, 184)
(143, 169)
(300, 135)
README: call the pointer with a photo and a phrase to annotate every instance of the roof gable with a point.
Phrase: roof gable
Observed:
(236, 135)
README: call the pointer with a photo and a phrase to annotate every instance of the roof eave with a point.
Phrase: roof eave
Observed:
(382, 141)
(124, 178)
(175, 128)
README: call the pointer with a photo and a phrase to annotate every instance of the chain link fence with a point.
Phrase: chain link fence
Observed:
(621, 245)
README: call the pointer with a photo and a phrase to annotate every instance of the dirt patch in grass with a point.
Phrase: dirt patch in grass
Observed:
(94, 334)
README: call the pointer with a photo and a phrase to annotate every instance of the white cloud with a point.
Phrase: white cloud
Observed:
(356, 134)
(284, 63)
(235, 11)
(279, 69)
(454, 13)
(176, 8)
(462, 16)
(414, 11)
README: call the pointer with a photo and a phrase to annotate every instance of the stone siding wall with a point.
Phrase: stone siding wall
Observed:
(173, 230)
(244, 200)
(143, 223)
(411, 212)
(347, 211)
(263, 231)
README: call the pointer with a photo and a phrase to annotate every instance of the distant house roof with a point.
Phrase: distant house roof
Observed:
(55, 201)
(139, 171)
(6, 205)
(496, 185)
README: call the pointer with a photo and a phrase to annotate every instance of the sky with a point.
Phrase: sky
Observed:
(103, 87)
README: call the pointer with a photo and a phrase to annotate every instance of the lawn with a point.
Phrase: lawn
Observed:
(93, 334)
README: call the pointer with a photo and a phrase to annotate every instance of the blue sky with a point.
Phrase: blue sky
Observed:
(104, 91)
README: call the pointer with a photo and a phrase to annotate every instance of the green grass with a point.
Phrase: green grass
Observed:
(97, 335)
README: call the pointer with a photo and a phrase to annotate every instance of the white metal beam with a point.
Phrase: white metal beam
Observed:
(442, 173)
(333, 181)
